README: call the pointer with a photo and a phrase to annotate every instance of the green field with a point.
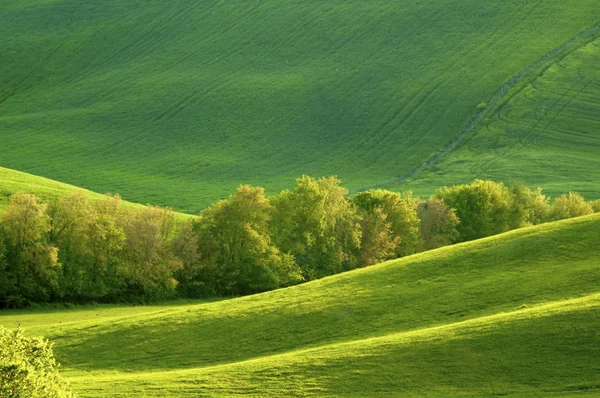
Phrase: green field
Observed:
(176, 103)
(12, 181)
(516, 314)
(546, 133)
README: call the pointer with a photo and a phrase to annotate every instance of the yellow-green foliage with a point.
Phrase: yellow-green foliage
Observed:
(513, 315)
(12, 181)
(82, 250)
(28, 368)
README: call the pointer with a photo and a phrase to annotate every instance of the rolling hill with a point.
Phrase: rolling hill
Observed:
(517, 314)
(12, 181)
(543, 133)
(176, 103)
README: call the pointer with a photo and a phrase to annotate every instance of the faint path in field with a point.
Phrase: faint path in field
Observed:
(504, 93)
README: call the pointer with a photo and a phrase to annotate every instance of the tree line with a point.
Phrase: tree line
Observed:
(75, 250)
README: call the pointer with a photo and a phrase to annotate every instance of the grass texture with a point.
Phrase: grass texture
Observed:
(12, 181)
(178, 102)
(545, 133)
(516, 314)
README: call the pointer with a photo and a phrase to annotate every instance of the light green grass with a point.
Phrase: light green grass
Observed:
(545, 134)
(178, 102)
(516, 314)
(12, 181)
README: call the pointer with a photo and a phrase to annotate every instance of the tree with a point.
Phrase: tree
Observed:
(28, 368)
(90, 242)
(30, 261)
(70, 219)
(569, 206)
(484, 208)
(528, 207)
(541, 208)
(438, 224)
(318, 226)
(185, 245)
(237, 254)
(400, 211)
(149, 262)
(595, 206)
(378, 242)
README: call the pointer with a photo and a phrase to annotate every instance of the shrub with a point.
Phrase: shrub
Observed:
(569, 206)
(484, 208)
(28, 368)
(438, 224)
(400, 211)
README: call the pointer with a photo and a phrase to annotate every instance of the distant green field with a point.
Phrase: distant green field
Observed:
(545, 134)
(178, 102)
(516, 314)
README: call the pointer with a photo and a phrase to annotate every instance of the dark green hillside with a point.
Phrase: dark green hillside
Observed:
(177, 102)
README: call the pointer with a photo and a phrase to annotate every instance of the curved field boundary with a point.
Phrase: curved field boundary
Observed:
(509, 89)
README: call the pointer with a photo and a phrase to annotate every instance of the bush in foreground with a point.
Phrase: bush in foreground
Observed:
(28, 368)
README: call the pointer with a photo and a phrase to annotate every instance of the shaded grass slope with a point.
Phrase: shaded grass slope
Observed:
(546, 133)
(176, 103)
(513, 314)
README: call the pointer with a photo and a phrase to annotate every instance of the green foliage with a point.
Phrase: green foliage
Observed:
(438, 224)
(165, 106)
(483, 208)
(378, 242)
(28, 368)
(569, 206)
(90, 243)
(400, 213)
(595, 205)
(528, 207)
(78, 250)
(31, 264)
(148, 253)
(318, 226)
(236, 252)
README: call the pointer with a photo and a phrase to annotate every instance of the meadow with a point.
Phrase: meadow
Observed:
(543, 133)
(13, 181)
(177, 103)
(515, 315)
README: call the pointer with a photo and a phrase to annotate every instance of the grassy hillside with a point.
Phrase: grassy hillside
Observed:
(516, 314)
(12, 181)
(546, 133)
(176, 103)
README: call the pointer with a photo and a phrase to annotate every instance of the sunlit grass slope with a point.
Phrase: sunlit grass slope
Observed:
(546, 134)
(12, 181)
(516, 314)
(177, 102)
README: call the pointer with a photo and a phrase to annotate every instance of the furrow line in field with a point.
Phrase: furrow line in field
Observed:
(542, 122)
(437, 83)
(495, 102)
